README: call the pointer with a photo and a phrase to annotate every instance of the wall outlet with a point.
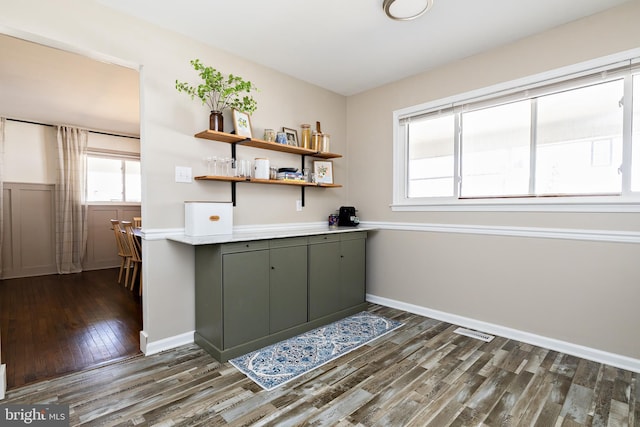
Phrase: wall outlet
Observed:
(299, 205)
(184, 174)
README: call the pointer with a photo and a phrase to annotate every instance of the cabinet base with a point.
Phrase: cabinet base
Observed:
(229, 353)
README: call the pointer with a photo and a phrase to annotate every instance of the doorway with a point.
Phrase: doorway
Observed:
(44, 84)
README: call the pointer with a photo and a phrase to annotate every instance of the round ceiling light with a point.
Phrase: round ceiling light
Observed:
(406, 10)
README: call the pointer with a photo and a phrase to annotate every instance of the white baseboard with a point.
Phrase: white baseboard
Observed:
(149, 348)
(595, 355)
(3, 380)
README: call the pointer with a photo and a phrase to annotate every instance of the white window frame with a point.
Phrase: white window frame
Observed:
(628, 201)
(115, 155)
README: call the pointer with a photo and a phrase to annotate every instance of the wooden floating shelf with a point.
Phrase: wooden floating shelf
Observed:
(214, 135)
(220, 178)
(264, 181)
(235, 140)
(230, 138)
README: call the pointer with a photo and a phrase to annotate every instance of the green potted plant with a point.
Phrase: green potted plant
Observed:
(219, 92)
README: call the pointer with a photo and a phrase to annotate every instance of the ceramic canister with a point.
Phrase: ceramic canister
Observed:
(261, 168)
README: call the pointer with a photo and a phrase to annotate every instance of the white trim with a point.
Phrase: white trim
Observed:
(57, 44)
(613, 204)
(3, 380)
(160, 233)
(593, 354)
(532, 232)
(149, 348)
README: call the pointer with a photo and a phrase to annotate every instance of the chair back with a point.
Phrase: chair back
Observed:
(132, 242)
(137, 222)
(123, 246)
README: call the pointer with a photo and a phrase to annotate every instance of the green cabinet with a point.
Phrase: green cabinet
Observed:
(252, 294)
(336, 273)
(287, 284)
(246, 296)
(352, 270)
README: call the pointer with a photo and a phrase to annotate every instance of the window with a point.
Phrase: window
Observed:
(112, 178)
(567, 139)
(635, 152)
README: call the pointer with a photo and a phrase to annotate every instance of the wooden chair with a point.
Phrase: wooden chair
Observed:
(136, 254)
(137, 222)
(124, 251)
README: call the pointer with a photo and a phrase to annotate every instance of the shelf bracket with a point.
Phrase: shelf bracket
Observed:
(233, 192)
(302, 188)
(233, 156)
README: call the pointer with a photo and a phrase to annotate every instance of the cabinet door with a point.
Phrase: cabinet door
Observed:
(287, 288)
(246, 296)
(324, 279)
(352, 273)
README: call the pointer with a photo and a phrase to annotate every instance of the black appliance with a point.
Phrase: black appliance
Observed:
(347, 217)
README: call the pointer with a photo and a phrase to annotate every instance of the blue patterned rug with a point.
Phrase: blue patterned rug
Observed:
(285, 361)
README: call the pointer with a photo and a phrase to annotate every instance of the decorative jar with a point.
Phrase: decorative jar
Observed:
(305, 141)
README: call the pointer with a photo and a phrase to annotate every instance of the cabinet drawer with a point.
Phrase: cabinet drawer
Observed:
(287, 242)
(324, 238)
(355, 235)
(253, 245)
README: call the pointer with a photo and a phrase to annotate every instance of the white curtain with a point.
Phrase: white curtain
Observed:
(71, 224)
(2, 122)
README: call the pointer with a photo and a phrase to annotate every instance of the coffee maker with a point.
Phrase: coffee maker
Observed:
(347, 217)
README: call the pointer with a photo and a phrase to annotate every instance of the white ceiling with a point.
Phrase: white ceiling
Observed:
(346, 46)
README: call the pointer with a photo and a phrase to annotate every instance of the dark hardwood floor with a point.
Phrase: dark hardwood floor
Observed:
(54, 325)
(422, 374)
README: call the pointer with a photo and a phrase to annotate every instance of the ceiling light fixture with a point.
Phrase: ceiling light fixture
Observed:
(403, 9)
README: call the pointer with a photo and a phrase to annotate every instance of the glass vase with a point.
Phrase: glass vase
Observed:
(216, 122)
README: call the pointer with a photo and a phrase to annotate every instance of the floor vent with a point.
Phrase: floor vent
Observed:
(474, 334)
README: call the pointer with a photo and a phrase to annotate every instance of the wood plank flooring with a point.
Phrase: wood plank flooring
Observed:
(419, 375)
(57, 324)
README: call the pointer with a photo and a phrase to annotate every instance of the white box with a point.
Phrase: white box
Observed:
(208, 218)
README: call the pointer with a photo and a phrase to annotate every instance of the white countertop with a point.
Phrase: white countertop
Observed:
(270, 234)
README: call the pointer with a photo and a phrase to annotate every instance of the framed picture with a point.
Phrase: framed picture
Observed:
(292, 136)
(242, 123)
(323, 171)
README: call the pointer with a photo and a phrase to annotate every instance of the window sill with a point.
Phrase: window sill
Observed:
(554, 204)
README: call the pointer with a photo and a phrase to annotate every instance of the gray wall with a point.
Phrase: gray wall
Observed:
(584, 292)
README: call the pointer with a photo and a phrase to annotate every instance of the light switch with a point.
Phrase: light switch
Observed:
(183, 174)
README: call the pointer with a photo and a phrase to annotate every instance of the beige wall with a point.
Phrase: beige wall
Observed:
(168, 121)
(30, 151)
(581, 292)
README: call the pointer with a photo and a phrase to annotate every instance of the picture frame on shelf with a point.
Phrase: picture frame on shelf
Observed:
(292, 136)
(323, 171)
(242, 123)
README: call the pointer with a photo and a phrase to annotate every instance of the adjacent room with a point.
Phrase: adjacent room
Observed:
(450, 188)
(53, 303)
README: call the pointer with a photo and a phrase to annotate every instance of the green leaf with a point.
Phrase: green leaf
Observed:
(218, 92)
